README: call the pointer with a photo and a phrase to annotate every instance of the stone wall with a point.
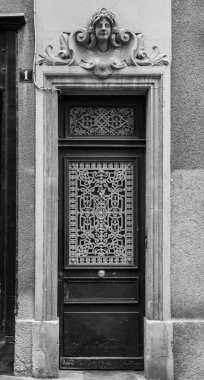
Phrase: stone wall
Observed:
(25, 185)
(187, 218)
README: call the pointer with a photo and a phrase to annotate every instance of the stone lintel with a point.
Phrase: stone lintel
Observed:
(11, 21)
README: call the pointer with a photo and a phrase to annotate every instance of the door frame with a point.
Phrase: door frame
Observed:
(154, 82)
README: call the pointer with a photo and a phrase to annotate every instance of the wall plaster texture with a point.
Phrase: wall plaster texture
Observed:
(187, 211)
(25, 187)
(187, 243)
(189, 350)
(187, 147)
(187, 85)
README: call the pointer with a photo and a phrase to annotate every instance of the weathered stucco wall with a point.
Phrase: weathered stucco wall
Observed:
(187, 244)
(25, 184)
(187, 216)
(188, 350)
(187, 84)
(187, 157)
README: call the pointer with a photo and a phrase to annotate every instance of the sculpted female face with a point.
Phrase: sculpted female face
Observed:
(103, 29)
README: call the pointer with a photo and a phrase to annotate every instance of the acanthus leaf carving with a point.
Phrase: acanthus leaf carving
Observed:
(103, 48)
(65, 56)
(141, 58)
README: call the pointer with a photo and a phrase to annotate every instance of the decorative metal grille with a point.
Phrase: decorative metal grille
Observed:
(100, 215)
(90, 121)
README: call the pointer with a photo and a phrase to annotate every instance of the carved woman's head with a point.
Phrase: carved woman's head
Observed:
(103, 13)
(103, 29)
(102, 24)
(102, 33)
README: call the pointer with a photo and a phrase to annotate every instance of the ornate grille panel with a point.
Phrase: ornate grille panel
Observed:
(99, 211)
(90, 121)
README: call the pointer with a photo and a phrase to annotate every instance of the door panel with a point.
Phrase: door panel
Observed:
(101, 256)
(89, 290)
(93, 334)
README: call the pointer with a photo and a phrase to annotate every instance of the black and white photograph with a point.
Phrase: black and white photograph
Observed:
(102, 189)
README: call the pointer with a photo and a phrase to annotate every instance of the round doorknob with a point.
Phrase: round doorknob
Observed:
(101, 273)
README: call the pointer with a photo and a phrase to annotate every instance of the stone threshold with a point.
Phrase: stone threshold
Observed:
(101, 375)
(87, 375)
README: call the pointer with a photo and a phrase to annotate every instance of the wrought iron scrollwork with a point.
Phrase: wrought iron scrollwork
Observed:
(92, 121)
(100, 213)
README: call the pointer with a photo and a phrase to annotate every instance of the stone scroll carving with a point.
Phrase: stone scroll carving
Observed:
(102, 48)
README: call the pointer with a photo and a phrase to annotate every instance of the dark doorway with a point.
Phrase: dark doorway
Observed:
(7, 197)
(101, 231)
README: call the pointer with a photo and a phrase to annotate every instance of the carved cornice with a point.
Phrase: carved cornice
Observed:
(11, 21)
(102, 48)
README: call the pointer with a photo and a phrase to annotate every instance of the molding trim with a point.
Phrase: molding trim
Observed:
(155, 84)
(12, 21)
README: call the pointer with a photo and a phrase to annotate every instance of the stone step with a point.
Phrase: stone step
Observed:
(87, 375)
(101, 375)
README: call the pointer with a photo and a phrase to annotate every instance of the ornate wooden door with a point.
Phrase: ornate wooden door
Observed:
(101, 231)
